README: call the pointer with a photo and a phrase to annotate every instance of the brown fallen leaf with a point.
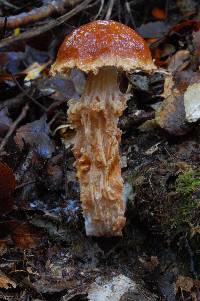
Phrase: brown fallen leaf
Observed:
(149, 264)
(171, 115)
(55, 176)
(6, 282)
(168, 86)
(184, 78)
(186, 24)
(186, 283)
(36, 134)
(24, 235)
(7, 187)
(196, 52)
(179, 61)
(158, 13)
(3, 247)
(196, 43)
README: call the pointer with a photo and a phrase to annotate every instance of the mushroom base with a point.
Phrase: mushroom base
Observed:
(96, 149)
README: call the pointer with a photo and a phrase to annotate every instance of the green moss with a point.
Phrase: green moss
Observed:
(186, 184)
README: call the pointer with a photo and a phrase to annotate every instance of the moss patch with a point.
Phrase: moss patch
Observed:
(187, 184)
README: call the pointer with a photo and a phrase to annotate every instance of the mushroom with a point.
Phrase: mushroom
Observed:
(101, 49)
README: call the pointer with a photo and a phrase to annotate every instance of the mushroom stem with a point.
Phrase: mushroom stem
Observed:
(96, 149)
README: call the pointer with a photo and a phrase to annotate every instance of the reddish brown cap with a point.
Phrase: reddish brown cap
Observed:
(103, 43)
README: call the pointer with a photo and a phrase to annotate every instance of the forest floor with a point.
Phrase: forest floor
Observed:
(44, 252)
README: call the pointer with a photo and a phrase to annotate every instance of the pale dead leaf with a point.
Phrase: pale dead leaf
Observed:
(6, 282)
(179, 61)
(185, 283)
(34, 71)
(192, 102)
(168, 86)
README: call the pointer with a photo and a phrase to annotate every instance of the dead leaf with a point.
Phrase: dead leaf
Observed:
(158, 13)
(12, 61)
(5, 121)
(3, 247)
(34, 71)
(151, 264)
(184, 78)
(79, 80)
(6, 282)
(171, 115)
(187, 8)
(60, 88)
(196, 42)
(179, 61)
(168, 86)
(55, 176)
(67, 133)
(192, 102)
(185, 283)
(25, 236)
(7, 187)
(195, 25)
(36, 134)
(153, 29)
(118, 288)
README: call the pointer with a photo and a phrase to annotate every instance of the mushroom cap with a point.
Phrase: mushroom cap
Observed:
(103, 43)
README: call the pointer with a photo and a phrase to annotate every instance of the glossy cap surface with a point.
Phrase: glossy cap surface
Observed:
(103, 43)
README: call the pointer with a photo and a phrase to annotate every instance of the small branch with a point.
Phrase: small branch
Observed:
(50, 25)
(100, 10)
(36, 14)
(110, 9)
(27, 95)
(8, 4)
(4, 28)
(127, 6)
(14, 126)
(190, 258)
(25, 184)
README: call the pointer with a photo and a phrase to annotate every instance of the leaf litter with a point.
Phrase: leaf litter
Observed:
(44, 252)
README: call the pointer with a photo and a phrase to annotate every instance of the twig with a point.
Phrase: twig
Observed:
(119, 10)
(25, 184)
(4, 28)
(36, 14)
(192, 264)
(14, 126)
(53, 119)
(166, 8)
(8, 4)
(191, 258)
(29, 96)
(65, 172)
(100, 9)
(35, 32)
(128, 8)
(110, 8)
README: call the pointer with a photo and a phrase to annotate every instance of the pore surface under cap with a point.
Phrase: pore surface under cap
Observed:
(103, 43)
